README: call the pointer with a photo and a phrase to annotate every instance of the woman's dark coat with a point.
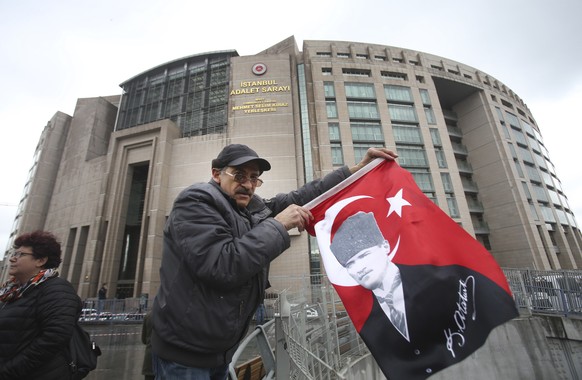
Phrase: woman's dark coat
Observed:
(35, 331)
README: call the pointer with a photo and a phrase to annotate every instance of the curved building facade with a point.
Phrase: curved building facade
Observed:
(104, 179)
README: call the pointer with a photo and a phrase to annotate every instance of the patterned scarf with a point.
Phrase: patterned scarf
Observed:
(11, 290)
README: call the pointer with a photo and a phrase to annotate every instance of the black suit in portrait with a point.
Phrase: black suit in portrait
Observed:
(440, 306)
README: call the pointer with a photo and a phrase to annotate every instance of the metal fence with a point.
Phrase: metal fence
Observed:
(320, 341)
(547, 292)
(113, 310)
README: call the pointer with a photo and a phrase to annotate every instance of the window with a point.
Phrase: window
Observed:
(512, 120)
(363, 110)
(402, 112)
(326, 70)
(337, 156)
(435, 137)
(412, 157)
(360, 90)
(399, 94)
(420, 79)
(397, 60)
(518, 168)
(357, 72)
(500, 115)
(519, 137)
(512, 150)
(525, 155)
(334, 132)
(430, 118)
(423, 179)
(532, 209)
(547, 179)
(343, 55)
(554, 197)
(453, 208)
(331, 109)
(425, 97)
(533, 173)
(428, 111)
(379, 58)
(407, 134)
(547, 214)
(506, 104)
(371, 132)
(539, 193)
(328, 90)
(447, 183)
(535, 146)
(526, 191)
(394, 75)
(323, 54)
(528, 128)
(362, 56)
(440, 157)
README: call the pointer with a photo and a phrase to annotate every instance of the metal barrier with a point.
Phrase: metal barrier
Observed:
(260, 337)
(113, 310)
(547, 292)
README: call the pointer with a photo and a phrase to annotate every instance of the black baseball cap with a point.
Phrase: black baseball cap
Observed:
(238, 154)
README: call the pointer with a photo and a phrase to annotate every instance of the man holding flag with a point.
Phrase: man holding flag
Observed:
(440, 292)
(218, 242)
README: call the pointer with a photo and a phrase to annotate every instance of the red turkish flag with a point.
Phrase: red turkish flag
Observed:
(446, 291)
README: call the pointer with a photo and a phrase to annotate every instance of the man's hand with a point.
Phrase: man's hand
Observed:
(294, 216)
(371, 154)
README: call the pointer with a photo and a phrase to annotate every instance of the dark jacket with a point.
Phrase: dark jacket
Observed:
(35, 331)
(215, 269)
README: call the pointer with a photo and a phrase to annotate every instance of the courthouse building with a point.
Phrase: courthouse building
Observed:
(104, 179)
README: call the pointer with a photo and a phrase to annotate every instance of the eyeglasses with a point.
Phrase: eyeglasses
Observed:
(18, 254)
(243, 178)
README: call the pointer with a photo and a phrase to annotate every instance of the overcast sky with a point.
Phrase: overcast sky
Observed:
(54, 52)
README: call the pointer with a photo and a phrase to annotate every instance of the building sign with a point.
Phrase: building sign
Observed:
(258, 102)
(259, 87)
(260, 105)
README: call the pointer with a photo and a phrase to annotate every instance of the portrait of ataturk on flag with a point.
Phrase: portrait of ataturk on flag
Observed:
(422, 293)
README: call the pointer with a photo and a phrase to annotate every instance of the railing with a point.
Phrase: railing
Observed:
(315, 339)
(114, 310)
(547, 292)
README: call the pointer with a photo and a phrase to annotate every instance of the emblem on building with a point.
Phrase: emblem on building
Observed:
(259, 68)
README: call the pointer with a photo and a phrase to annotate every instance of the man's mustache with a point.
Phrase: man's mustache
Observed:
(243, 192)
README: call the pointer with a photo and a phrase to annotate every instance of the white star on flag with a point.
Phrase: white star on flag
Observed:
(396, 204)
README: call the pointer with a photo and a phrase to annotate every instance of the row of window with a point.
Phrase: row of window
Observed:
(361, 102)
(405, 129)
(393, 75)
(529, 154)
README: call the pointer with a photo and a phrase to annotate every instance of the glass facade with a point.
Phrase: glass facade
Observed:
(192, 92)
